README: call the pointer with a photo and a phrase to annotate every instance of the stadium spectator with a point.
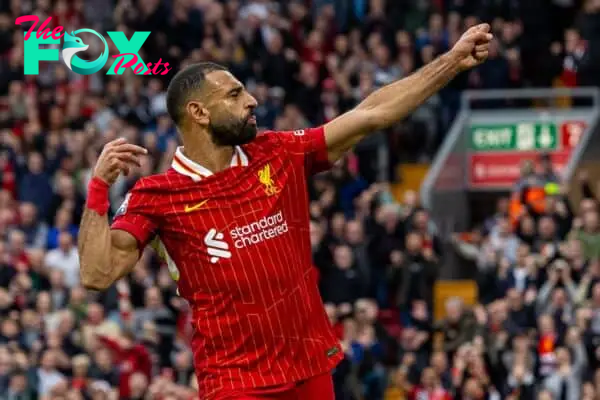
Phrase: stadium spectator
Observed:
(459, 327)
(65, 258)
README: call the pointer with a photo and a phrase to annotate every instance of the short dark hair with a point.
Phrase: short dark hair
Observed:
(184, 83)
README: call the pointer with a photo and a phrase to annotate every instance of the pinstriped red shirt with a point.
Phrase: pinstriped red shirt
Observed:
(237, 242)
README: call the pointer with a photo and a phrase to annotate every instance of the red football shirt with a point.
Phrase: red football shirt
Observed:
(237, 242)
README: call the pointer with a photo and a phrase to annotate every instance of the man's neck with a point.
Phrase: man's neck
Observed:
(203, 151)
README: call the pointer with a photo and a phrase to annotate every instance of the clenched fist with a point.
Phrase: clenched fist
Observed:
(117, 156)
(472, 47)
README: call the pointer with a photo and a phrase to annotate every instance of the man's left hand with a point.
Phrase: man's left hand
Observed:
(473, 46)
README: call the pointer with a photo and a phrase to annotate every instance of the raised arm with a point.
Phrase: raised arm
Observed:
(106, 255)
(390, 104)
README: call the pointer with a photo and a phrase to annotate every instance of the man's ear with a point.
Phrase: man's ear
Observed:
(198, 112)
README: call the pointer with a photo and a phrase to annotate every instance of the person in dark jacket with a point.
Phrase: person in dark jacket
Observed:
(459, 327)
(520, 315)
(418, 272)
(520, 384)
(34, 185)
(343, 283)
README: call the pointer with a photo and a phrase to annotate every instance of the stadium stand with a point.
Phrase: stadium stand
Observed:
(521, 321)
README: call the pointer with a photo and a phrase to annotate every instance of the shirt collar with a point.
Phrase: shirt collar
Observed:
(185, 166)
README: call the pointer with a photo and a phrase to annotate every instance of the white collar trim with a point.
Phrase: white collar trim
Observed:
(185, 166)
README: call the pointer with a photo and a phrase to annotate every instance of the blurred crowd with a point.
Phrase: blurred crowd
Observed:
(533, 334)
(306, 60)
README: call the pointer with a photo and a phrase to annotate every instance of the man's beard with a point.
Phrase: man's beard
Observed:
(233, 133)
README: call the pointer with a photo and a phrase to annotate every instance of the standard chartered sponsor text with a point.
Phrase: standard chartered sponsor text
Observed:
(265, 228)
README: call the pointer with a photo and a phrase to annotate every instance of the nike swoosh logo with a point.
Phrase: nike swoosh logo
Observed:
(189, 208)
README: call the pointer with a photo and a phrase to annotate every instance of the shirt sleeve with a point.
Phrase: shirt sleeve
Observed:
(309, 144)
(134, 216)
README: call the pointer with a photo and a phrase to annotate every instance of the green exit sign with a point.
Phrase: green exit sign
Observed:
(524, 136)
